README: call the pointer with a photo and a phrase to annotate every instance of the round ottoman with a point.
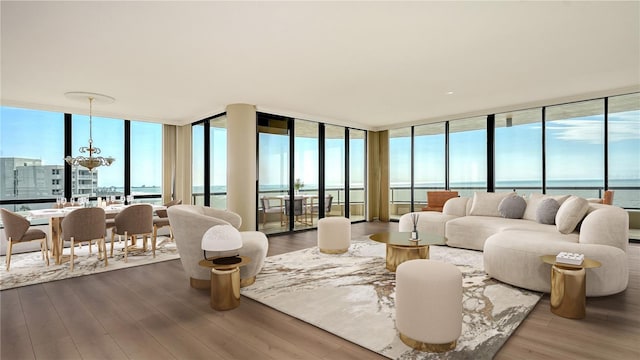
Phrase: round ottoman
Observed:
(255, 246)
(334, 235)
(429, 304)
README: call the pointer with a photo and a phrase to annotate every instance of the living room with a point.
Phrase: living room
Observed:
(387, 82)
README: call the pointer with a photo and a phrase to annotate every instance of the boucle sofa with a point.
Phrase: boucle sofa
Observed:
(512, 246)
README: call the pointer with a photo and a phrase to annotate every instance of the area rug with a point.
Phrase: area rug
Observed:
(30, 269)
(352, 296)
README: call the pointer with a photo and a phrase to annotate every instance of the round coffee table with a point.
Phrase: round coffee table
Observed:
(401, 248)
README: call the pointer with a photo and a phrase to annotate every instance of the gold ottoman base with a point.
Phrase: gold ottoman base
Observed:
(334, 251)
(422, 346)
(396, 255)
(225, 289)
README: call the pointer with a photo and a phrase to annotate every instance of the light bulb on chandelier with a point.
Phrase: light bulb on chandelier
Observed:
(90, 162)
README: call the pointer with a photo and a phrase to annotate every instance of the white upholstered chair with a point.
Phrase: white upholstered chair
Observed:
(190, 222)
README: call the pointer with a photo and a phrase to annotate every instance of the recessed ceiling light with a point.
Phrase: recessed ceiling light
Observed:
(449, 92)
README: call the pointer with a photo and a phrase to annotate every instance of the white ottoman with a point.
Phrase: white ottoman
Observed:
(429, 304)
(334, 235)
(255, 246)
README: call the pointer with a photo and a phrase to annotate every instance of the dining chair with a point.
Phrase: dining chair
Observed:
(162, 219)
(85, 225)
(133, 221)
(298, 209)
(328, 202)
(267, 208)
(17, 230)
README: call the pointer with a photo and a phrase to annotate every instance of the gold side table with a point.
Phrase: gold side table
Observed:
(568, 287)
(225, 283)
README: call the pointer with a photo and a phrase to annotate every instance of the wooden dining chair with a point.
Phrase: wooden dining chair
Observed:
(85, 225)
(268, 208)
(133, 221)
(17, 230)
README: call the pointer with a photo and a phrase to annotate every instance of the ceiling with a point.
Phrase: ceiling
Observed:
(372, 65)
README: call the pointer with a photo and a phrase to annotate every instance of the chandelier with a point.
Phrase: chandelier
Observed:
(91, 162)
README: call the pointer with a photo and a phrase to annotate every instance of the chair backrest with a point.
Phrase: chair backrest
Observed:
(438, 198)
(608, 197)
(163, 212)
(84, 224)
(14, 225)
(327, 203)
(297, 206)
(135, 219)
(265, 203)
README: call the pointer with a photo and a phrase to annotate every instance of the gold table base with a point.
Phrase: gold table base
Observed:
(396, 255)
(422, 346)
(568, 292)
(225, 289)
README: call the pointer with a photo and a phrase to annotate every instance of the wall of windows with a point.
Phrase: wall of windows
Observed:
(357, 174)
(576, 148)
(32, 149)
(399, 172)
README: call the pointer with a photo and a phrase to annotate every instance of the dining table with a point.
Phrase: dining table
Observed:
(55, 217)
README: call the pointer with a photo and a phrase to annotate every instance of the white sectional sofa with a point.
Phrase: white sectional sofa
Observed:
(512, 246)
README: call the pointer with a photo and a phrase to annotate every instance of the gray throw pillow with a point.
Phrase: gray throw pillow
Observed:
(512, 207)
(547, 210)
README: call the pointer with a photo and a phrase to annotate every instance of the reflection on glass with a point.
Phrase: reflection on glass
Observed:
(146, 158)
(574, 148)
(218, 162)
(429, 161)
(197, 164)
(518, 148)
(357, 174)
(624, 150)
(468, 155)
(31, 155)
(399, 172)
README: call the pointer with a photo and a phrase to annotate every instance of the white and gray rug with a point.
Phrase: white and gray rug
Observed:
(352, 295)
(30, 269)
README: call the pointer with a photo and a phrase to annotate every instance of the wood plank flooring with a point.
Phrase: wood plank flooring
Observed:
(150, 312)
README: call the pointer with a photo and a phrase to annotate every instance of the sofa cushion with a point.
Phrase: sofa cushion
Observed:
(533, 202)
(571, 213)
(512, 207)
(486, 203)
(547, 210)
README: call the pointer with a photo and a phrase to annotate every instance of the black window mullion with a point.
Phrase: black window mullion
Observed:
(292, 135)
(321, 172)
(68, 132)
(544, 152)
(606, 145)
(347, 206)
(207, 165)
(491, 152)
(446, 156)
(412, 173)
(127, 157)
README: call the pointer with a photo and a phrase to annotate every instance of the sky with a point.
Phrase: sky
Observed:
(574, 151)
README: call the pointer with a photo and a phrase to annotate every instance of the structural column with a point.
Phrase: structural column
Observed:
(241, 163)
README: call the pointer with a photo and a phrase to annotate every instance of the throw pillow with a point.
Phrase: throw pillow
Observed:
(512, 207)
(571, 213)
(486, 203)
(546, 212)
(534, 202)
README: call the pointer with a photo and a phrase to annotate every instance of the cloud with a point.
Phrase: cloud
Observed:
(592, 131)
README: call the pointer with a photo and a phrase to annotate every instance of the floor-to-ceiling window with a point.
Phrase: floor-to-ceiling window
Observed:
(218, 162)
(334, 170)
(357, 174)
(624, 149)
(31, 157)
(273, 175)
(575, 148)
(429, 161)
(197, 163)
(399, 172)
(306, 172)
(468, 155)
(518, 151)
(146, 160)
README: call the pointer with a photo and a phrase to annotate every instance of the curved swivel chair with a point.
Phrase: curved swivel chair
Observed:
(190, 222)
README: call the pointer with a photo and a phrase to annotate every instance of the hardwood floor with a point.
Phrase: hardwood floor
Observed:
(151, 312)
